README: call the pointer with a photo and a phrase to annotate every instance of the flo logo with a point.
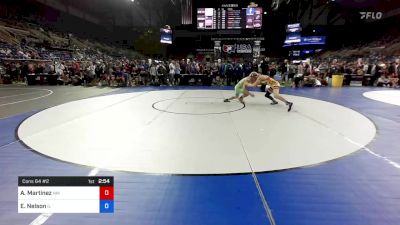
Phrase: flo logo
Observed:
(371, 15)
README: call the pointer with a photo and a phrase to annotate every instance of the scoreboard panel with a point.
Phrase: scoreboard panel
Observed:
(229, 18)
(65, 194)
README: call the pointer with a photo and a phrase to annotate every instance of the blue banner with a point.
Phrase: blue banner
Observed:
(313, 40)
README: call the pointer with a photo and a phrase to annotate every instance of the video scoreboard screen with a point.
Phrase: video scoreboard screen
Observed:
(166, 36)
(293, 28)
(229, 18)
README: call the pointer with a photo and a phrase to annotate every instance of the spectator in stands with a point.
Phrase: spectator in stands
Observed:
(40, 68)
(177, 77)
(49, 68)
(292, 73)
(365, 68)
(299, 76)
(207, 67)
(183, 66)
(24, 70)
(153, 74)
(312, 80)
(247, 68)
(215, 73)
(237, 72)
(162, 72)
(393, 74)
(254, 65)
(91, 72)
(392, 69)
(284, 70)
(229, 73)
(76, 68)
(193, 68)
(334, 68)
(2, 73)
(6, 52)
(264, 66)
(63, 79)
(99, 69)
(77, 79)
(383, 81)
(59, 68)
(360, 70)
(273, 70)
(200, 67)
(171, 79)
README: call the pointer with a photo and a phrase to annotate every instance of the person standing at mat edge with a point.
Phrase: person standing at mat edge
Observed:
(273, 88)
(241, 91)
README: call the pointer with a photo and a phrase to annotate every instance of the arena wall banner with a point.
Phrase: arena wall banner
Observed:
(244, 48)
(237, 48)
(313, 40)
(229, 49)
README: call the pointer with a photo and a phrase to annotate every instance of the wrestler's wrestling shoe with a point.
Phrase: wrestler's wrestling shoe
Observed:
(290, 104)
(226, 100)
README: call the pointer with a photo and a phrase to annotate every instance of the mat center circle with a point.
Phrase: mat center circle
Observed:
(197, 106)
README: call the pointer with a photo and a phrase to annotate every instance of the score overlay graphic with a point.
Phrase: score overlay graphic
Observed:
(65, 195)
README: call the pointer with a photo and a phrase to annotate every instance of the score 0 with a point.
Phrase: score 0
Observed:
(106, 197)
